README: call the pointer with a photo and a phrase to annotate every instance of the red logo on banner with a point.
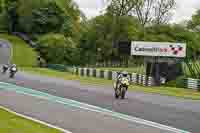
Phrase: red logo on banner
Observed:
(176, 49)
(163, 50)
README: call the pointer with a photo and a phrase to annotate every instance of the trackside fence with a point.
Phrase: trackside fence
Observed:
(192, 83)
(137, 79)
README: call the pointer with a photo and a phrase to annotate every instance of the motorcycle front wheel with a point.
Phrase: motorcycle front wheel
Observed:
(116, 95)
(123, 93)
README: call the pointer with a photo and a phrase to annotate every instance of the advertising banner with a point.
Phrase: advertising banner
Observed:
(162, 49)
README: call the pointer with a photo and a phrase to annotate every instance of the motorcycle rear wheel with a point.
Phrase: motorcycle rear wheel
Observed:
(12, 75)
(117, 93)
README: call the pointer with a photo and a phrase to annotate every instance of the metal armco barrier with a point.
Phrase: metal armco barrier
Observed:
(112, 75)
(138, 79)
(193, 83)
(150, 81)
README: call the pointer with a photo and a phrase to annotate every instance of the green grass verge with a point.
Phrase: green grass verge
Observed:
(169, 91)
(51, 73)
(23, 55)
(10, 123)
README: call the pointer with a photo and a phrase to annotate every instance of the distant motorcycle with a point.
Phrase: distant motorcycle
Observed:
(5, 68)
(13, 71)
(121, 88)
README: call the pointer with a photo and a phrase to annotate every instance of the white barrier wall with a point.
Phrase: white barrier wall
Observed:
(79, 71)
(91, 72)
(85, 71)
(135, 78)
(97, 73)
(192, 83)
(106, 74)
(114, 75)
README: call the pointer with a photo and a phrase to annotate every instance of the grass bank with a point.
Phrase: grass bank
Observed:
(10, 123)
(23, 55)
(168, 91)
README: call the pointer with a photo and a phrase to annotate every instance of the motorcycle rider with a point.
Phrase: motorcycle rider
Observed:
(13, 70)
(13, 66)
(121, 75)
(5, 68)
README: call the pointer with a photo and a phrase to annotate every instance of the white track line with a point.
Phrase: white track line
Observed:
(35, 120)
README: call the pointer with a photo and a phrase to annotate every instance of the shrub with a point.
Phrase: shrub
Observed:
(57, 49)
(3, 23)
(179, 82)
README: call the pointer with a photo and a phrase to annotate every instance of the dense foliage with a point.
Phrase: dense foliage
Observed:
(40, 17)
(52, 24)
(99, 34)
(57, 49)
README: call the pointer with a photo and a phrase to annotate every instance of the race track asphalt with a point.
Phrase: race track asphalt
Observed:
(5, 52)
(69, 118)
(178, 113)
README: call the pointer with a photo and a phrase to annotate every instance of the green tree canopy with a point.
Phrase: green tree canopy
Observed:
(43, 16)
(195, 22)
(96, 38)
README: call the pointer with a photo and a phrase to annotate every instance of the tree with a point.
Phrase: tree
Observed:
(163, 10)
(174, 33)
(121, 7)
(143, 11)
(194, 24)
(147, 11)
(116, 9)
(156, 11)
(1, 6)
(49, 18)
(11, 6)
(97, 37)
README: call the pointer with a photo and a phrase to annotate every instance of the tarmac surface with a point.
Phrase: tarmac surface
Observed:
(178, 113)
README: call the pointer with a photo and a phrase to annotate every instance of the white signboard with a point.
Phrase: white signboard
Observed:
(158, 49)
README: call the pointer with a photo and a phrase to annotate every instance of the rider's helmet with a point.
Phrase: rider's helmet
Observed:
(5, 65)
(14, 65)
(124, 74)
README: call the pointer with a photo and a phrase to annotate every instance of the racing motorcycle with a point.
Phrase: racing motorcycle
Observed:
(121, 88)
(13, 71)
(4, 68)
